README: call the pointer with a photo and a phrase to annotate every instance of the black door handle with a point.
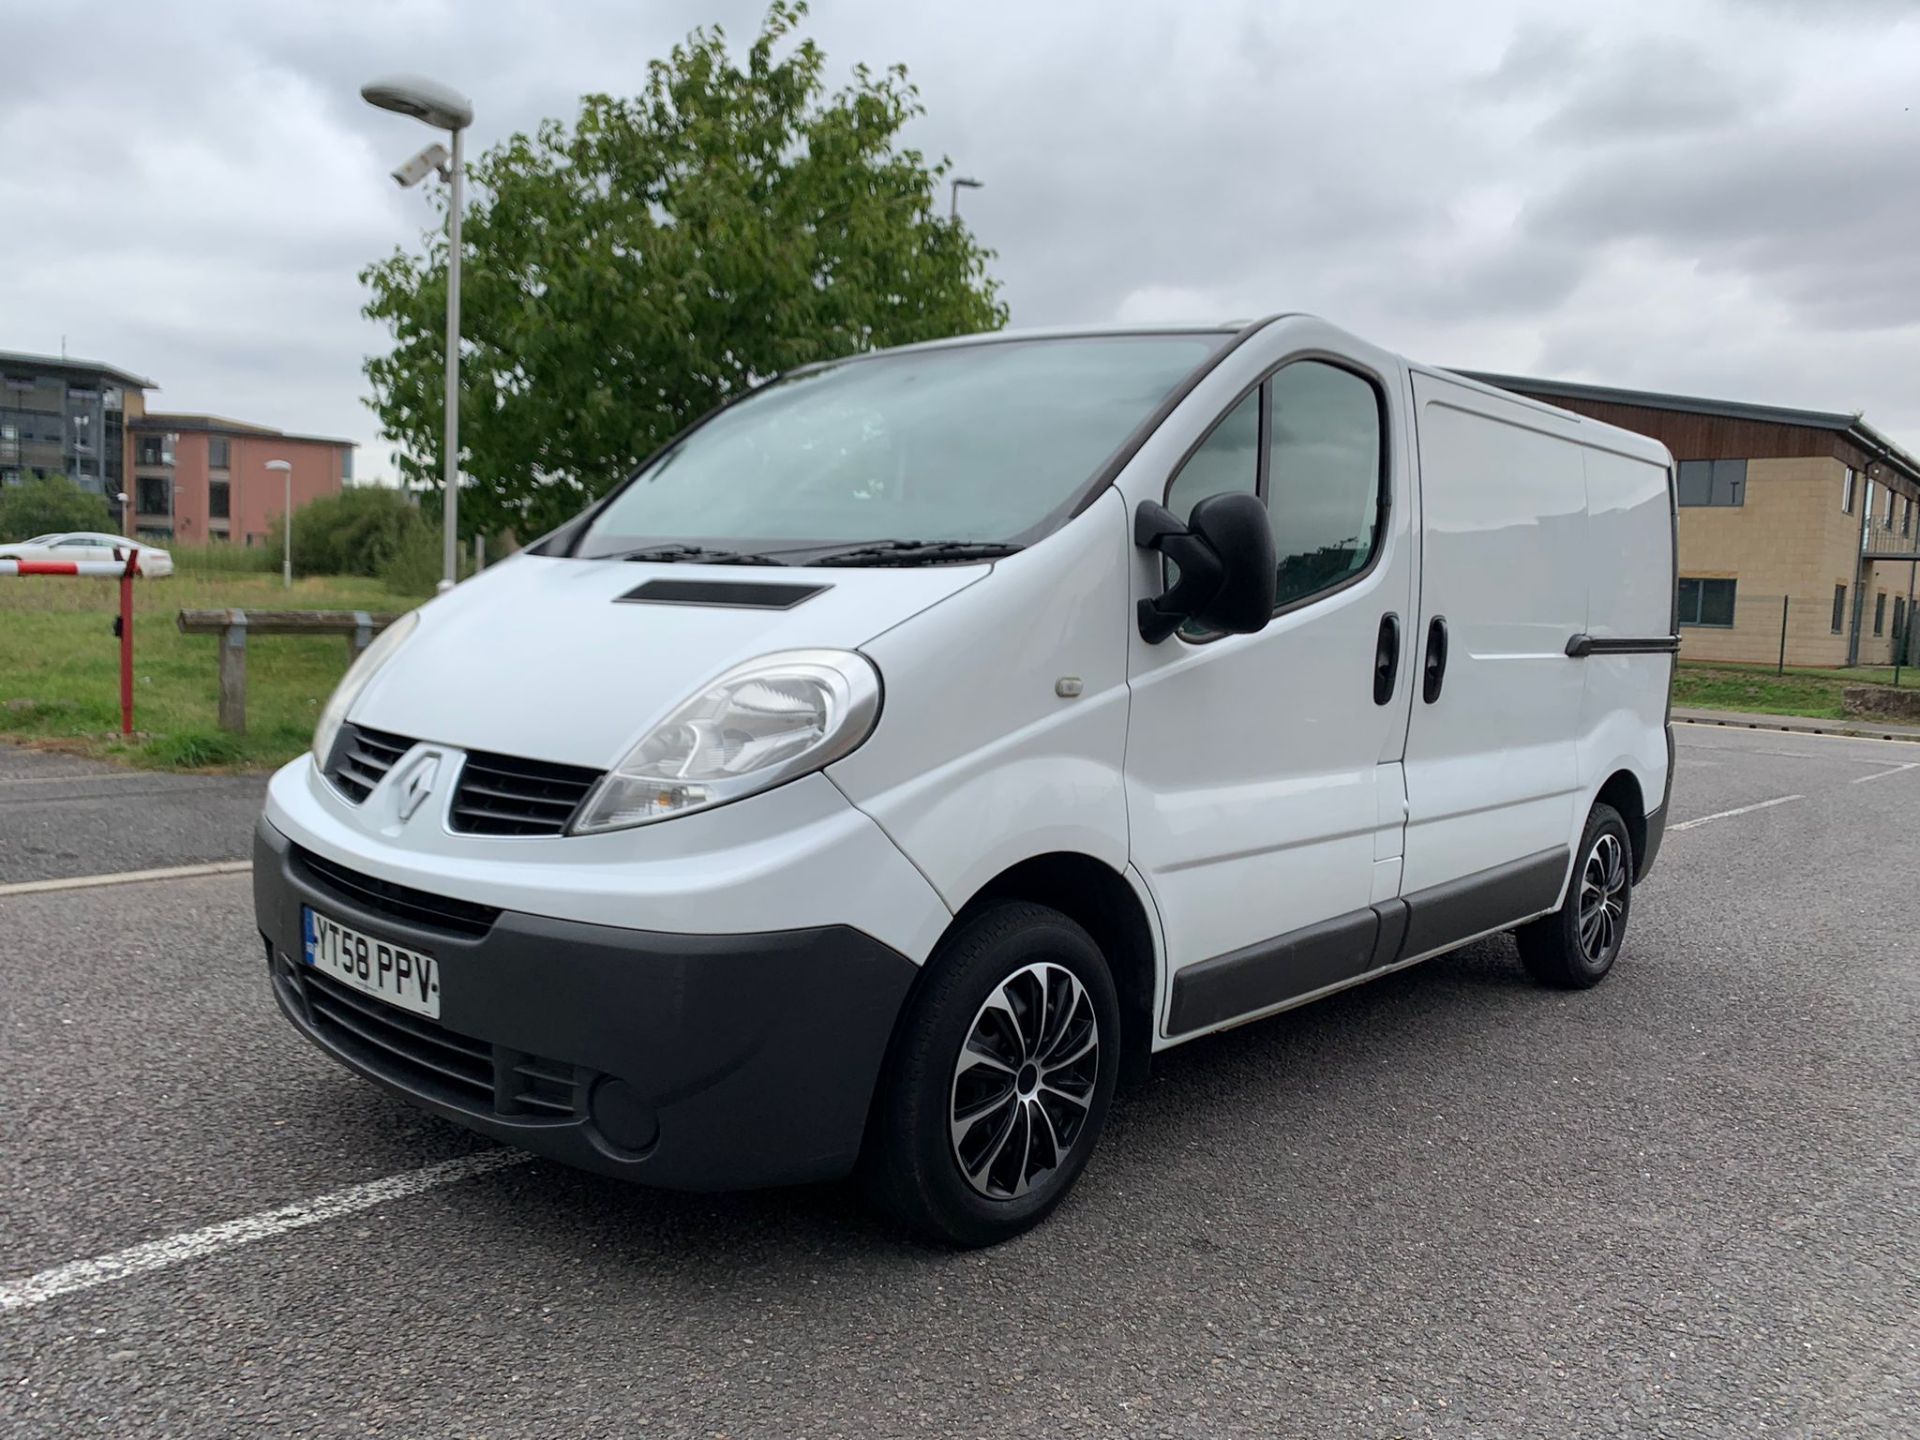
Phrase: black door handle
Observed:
(1436, 659)
(1386, 658)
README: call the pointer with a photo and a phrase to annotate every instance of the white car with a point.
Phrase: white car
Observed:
(90, 545)
(927, 739)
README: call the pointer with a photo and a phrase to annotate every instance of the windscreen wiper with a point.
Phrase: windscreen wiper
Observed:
(917, 552)
(698, 554)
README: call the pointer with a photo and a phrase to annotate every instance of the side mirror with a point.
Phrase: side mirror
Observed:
(1225, 555)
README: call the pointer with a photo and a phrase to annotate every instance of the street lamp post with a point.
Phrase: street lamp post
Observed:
(959, 183)
(449, 110)
(286, 523)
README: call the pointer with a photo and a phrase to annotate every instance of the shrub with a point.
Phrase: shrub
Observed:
(416, 567)
(220, 557)
(40, 507)
(357, 532)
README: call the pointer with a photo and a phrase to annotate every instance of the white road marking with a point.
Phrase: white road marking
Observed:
(126, 877)
(197, 1244)
(1727, 814)
(1882, 774)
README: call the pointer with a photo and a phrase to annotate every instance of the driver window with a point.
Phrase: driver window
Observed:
(1323, 477)
(1227, 460)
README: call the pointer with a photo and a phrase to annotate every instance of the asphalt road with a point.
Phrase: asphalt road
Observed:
(60, 815)
(1448, 1203)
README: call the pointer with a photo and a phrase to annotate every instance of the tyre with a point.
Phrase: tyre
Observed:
(1576, 945)
(999, 1079)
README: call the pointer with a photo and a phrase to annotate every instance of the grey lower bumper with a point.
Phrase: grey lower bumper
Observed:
(699, 1062)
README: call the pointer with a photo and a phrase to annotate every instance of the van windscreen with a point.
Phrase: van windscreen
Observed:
(992, 442)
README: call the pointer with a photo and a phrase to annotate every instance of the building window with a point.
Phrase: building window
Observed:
(1880, 613)
(1706, 602)
(346, 465)
(1713, 482)
(217, 499)
(217, 453)
(151, 451)
(1891, 497)
(1846, 492)
(1906, 517)
(152, 495)
(1839, 608)
(1899, 619)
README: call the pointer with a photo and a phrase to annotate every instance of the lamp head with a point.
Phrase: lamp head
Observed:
(421, 98)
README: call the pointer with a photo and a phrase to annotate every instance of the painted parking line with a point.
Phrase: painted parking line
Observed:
(1729, 814)
(1882, 774)
(126, 877)
(193, 1245)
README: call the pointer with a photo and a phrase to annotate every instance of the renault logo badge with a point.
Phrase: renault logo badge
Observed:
(418, 785)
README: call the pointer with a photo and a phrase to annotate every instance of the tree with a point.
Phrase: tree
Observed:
(43, 506)
(623, 276)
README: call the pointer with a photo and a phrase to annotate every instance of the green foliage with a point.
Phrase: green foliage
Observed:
(415, 568)
(357, 532)
(219, 557)
(624, 275)
(195, 750)
(41, 506)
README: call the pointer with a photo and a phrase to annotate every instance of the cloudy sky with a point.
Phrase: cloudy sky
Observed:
(1712, 196)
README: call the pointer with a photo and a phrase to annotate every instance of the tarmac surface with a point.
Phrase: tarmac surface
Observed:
(1444, 1204)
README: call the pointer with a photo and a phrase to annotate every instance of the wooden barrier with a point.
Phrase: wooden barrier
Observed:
(233, 627)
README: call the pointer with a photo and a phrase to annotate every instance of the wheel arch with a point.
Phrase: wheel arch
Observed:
(1099, 899)
(1622, 791)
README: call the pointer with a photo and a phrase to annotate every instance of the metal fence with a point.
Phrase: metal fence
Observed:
(1719, 620)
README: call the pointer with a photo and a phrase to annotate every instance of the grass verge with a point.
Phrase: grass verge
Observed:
(1813, 693)
(60, 667)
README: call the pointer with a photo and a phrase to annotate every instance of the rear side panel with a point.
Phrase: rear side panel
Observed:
(1630, 583)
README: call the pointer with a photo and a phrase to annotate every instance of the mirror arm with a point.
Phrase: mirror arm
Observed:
(1201, 574)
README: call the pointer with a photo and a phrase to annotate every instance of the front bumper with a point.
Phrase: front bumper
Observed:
(700, 1062)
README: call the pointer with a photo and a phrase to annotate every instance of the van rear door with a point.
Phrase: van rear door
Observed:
(1491, 755)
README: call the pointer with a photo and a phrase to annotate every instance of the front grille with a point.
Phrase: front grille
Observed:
(424, 1056)
(396, 902)
(503, 795)
(361, 759)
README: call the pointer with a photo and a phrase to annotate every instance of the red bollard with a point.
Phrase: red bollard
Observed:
(126, 644)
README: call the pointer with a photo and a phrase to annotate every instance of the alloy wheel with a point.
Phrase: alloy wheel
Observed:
(1023, 1084)
(1603, 889)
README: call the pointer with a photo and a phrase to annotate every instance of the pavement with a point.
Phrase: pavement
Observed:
(1444, 1204)
(1804, 724)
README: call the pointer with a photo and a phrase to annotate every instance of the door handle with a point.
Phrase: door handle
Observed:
(1436, 671)
(1386, 658)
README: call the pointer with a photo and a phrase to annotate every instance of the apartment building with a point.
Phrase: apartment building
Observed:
(200, 478)
(1796, 526)
(68, 417)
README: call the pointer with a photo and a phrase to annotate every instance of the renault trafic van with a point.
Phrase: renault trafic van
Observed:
(924, 740)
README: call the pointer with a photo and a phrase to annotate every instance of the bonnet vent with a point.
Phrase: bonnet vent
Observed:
(733, 594)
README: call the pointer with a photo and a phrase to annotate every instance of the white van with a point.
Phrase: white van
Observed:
(922, 741)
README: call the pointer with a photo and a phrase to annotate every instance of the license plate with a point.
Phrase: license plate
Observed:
(380, 968)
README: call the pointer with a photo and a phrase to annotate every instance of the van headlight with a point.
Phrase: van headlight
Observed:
(758, 725)
(358, 674)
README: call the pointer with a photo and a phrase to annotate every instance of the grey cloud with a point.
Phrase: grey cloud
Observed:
(1824, 222)
(1652, 87)
(1644, 193)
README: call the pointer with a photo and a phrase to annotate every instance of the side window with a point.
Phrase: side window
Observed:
(1323, 476)
(1227, 460)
